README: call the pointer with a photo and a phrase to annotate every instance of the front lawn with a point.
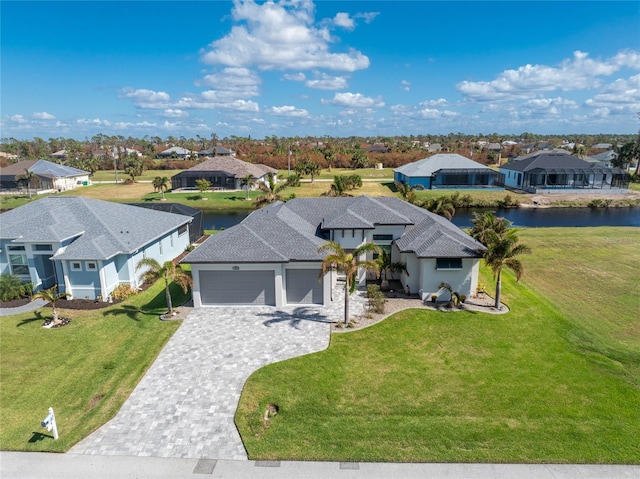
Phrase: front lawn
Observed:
(84, 370)
(546, 382)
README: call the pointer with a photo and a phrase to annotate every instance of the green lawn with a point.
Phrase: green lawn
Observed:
(84, 370)
(555, 380)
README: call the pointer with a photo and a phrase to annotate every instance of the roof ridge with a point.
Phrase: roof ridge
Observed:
(261, 240)
(103, 223)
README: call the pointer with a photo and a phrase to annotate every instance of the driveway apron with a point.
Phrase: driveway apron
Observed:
(184, 406)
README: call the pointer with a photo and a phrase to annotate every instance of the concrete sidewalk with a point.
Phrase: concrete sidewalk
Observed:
(26, 465)
(32, 306)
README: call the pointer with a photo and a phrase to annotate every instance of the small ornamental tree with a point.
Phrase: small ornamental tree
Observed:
(170, 272)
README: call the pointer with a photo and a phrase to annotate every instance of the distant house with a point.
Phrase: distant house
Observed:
(216, 151)
(175, 152)
(604, 158)
(59, 155)
(559, 172)
(434, 148)
(494, 147)
(223, 172)
(377, 148)
(84, 246)
(602, 146)
(448, 171)
(50, 176)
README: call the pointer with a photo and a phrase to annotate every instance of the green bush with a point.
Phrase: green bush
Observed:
(11, 287)
(376, 298)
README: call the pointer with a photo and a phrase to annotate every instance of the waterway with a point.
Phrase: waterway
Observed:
(522, 217)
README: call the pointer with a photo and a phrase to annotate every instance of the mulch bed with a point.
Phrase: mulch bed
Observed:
(49, 324)
(83, 304)
(14, 303)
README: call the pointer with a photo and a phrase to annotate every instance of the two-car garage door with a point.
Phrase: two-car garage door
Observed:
(258, 287)
(237, 287)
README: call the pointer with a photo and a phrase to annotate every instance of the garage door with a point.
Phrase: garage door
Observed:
(303, 286)
(237, 287)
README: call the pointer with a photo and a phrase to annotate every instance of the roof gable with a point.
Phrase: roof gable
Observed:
(429, 166)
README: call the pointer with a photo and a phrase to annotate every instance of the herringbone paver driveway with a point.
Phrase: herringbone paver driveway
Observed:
(184, 405)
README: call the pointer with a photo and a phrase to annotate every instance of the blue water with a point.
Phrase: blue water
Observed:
(526, 217)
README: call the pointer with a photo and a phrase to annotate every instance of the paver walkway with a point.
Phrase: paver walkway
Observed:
(32, 306)
(184, 406)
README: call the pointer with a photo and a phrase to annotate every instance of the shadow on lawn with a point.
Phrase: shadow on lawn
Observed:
(38, 317)
(156, 306)
(38, 436)
(298, 315)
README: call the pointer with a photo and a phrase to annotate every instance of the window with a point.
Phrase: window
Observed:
(91, 266)
(382, 237)
(182, 230)
(19, 265)
(15, 248)
(76, 266)
(449, 263)
(42, 247)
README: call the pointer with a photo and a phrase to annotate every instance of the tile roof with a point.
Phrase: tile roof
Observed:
(428, 166)
(237, 168)
(101, 229)
(292, 231)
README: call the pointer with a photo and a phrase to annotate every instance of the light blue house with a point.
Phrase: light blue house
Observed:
(451, 171)
(87, 247)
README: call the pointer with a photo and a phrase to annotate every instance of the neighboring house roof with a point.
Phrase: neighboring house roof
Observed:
(175, 150)
(42, 168)
(448, 161)
(293, 231)
(377, 148)
(546, 160)
(235, 167)
(101, 229)
(59, 154)
(494, 146)
(602, 146)
(605, 156)
(216, 150)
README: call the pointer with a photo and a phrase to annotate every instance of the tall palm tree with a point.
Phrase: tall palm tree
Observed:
(170, 272)
(51, 295)
(30, 178)
(271, 192)
(502, 251)
(349, 264)
(406, 191)
(160, 184)
(248, 181)
(442, 206)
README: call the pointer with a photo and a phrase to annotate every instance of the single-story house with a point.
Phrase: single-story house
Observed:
(196, 227)
(377, 148)
(448, 171)
(272, 257)
(50, 176)
(560, 172)
(223, 172)
(84, 246)
(604, 158)
(216, 151)
(175, 152)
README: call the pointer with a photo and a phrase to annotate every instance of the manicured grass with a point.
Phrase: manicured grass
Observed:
(84, 370)
(147, 175)
(550, 381)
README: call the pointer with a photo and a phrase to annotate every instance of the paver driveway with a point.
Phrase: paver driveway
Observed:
(184, 405)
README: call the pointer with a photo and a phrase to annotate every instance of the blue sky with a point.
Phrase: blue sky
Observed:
(299, 68)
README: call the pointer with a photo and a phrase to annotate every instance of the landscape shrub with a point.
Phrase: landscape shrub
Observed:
(12, 288)
(376, 298)
(122, 292)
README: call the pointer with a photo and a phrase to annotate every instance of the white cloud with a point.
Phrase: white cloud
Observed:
(344, 20)
(368, 16)
(438, 102)
(174, 113)
(19, 119)
(327, 82)
(405, 85)
(577, 73)
(295, 76)
(279, 36)
(287, 110)
(354, 100)
(93, 122)
(43, 115)
(236, 82)
(143, 98)
(620, 92)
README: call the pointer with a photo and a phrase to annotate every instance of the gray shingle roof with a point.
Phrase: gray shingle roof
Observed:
(42, 168)
(237, 168)
(428, 166)
(291, 231)
(546, 159)
(102, 229)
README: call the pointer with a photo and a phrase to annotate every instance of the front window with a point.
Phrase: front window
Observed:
(19, 265)
(448, 263)
(76, 266)
(91, 266)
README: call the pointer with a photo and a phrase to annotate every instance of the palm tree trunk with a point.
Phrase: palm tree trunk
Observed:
(498, 288)
(168, 295)
(346, 301)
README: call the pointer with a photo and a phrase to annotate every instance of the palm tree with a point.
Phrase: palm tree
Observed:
(161, 184)
(406, 191)
(442, 206)
(503, 250)
(349, 264)
(386, 267)
(51, 295)
(29, 178)
(271, 192)
(248, 181)
(168, 271)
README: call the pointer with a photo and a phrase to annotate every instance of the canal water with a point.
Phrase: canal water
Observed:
(524, 217)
